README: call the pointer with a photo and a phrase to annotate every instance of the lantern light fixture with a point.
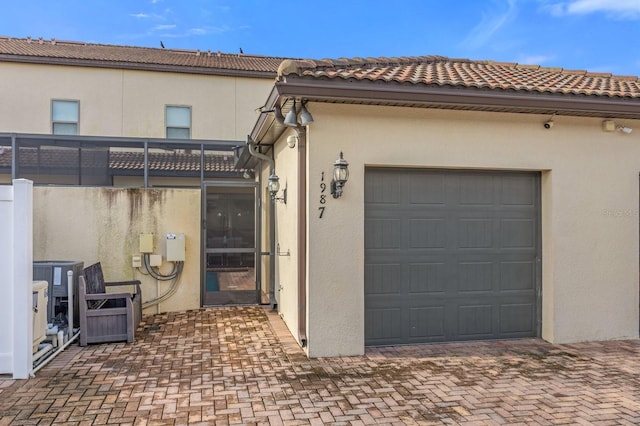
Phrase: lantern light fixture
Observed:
(340, 176)
(273, 186)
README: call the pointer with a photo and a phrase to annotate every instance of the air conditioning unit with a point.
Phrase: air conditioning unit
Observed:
(40, 307)
(55, 272)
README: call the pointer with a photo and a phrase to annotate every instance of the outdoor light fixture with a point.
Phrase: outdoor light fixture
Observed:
(549, 123)
(305, 116)
(340, 176)
(291, 141)
(274, 186)
(610, 126)
(291, 119)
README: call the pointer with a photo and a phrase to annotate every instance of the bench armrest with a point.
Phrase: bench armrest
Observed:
(113, 283)
(107, 296)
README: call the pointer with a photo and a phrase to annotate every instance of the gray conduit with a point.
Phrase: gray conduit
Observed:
(53, 355)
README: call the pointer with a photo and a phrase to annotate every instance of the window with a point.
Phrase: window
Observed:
(65, 117)
(178, 119)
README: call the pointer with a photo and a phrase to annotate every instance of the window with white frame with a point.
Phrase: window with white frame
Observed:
(178, 120)
(65, 117)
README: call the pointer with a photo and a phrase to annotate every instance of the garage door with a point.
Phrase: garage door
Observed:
(451, 255)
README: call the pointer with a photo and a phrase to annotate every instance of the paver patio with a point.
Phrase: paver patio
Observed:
(238, 365)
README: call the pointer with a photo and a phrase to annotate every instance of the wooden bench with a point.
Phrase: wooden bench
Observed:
(107, 317)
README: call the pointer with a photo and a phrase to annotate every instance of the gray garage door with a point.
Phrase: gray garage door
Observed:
(451, 255)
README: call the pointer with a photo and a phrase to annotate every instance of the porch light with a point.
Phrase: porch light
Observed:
(305, 115)
(340, 176)
(274, 186)
(291, 118)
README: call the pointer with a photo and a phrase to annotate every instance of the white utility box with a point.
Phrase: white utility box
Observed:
(155, 260)
(175, 248)
(40, 303)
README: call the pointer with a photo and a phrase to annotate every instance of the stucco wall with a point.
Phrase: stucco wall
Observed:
(129, 103)
(590, 186)
(103, 224)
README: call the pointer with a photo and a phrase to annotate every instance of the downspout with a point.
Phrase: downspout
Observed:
(302, 235)
(253, 150)
(14, 158)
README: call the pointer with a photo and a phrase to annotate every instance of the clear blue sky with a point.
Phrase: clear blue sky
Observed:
(596, 35)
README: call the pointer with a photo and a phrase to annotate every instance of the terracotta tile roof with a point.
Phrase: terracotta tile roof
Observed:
(39, 50)
(119, 161)
(425, 70)
(170, 161)
(463, 73)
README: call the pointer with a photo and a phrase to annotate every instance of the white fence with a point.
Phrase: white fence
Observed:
(16, 274)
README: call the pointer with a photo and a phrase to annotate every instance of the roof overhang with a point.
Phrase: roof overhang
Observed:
(267, 130)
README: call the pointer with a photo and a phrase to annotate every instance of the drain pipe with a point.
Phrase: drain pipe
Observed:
(301, 131)
(53, 355)
(70, 299)
(253, 150)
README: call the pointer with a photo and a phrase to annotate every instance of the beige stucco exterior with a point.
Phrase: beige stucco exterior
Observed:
(590, 187)
(104, 224)
(589, 192)
(129, 103)
(93, 224)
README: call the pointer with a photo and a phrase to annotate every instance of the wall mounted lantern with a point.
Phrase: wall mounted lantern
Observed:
(274, 186)
(340, 176)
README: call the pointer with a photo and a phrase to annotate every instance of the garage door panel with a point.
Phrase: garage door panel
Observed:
(461, 248)
(518, 233)
(518, 190)
(427, 323)
(475, 233)
(517, 275)
(428, 277)
(427, 233)
(380, 188)
(384, 325)
(517, 318)
(426, 188)
(475, 321)
(475, 276)
(383, 278)
(474, 189)
(383, 234)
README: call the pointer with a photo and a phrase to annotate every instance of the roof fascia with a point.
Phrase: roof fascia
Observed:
(135, 66)
(36, 138)
(266, 122)
(372, 92)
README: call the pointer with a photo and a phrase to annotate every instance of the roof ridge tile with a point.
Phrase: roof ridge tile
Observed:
(425, 69)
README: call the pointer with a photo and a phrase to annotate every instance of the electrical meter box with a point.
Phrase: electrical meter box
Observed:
(146, 243)
(175, 248)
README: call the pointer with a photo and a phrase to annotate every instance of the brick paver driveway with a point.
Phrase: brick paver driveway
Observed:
(229, 366)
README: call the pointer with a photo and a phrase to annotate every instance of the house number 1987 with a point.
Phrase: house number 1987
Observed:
(323, 196)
